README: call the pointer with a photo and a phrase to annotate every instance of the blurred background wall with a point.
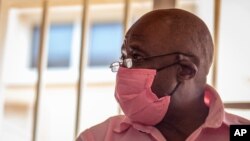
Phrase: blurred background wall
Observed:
(20, 32)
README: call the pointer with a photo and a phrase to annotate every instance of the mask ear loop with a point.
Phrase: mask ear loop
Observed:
(175, 88)
(179, 58)
(178, 83)
(160, 69)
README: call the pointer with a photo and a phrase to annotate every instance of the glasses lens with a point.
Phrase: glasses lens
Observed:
(115, 66)
(128, 62)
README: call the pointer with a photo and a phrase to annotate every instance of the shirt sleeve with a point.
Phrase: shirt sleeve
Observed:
(86, 136)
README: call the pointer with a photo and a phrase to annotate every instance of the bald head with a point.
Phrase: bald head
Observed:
(175, 31)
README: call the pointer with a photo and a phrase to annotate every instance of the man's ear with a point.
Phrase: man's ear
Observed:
(187, 69)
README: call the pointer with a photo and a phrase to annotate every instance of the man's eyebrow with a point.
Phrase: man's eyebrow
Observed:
(137, 49)
(134, 36)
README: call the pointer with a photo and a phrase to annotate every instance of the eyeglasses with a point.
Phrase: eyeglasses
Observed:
(129, 62)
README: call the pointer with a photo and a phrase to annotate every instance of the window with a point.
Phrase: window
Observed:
(59, 45)
(105, 44)
(20, 59)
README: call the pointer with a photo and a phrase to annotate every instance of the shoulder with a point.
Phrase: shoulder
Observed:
(231, 119)
(99, 131)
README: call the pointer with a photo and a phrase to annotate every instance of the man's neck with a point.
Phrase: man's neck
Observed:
(183, 118)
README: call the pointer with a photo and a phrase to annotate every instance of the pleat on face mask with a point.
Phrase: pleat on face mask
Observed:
(138, 102)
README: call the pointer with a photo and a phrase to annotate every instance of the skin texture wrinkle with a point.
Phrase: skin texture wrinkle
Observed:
(165, 32)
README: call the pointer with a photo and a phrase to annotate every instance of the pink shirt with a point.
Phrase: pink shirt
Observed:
(119, 128)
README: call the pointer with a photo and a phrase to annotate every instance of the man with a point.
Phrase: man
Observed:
(161, 84)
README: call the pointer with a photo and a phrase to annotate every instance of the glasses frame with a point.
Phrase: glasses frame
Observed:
(128, 62)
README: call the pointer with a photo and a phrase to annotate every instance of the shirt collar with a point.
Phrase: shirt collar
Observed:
(123, 125)
(126, 123)
(216, 109)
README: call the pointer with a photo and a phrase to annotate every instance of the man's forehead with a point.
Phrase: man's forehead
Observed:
(144, 40)
(134, 41)
(133, 35)
(143, 27)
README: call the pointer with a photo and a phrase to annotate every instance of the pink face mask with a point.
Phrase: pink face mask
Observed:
(138, 102)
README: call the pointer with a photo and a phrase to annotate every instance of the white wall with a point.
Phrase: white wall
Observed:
(234, 51)
(4, 21)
